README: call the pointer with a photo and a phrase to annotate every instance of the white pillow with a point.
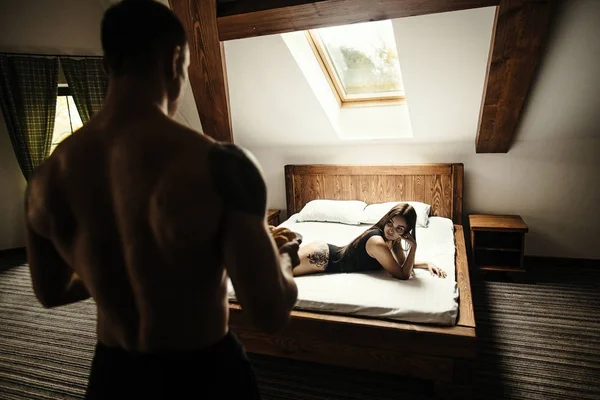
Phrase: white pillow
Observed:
(342, 211)
(374, 212)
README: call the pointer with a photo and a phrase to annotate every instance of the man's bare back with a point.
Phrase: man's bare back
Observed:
(137, 211)
(133, 211)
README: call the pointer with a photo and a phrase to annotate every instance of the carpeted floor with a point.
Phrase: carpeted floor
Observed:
(537, 340)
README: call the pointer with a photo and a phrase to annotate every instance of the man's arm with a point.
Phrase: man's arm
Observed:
(261, 276)
(54, 282)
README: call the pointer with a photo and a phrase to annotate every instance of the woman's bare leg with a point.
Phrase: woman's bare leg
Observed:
(314, 257)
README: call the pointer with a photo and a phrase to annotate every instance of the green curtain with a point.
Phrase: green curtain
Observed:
(88, 84)
(28, 90)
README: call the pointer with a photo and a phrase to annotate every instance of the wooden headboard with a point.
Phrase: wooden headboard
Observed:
(440, 185)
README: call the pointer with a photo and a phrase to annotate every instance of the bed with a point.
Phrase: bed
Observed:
(444, 355)
(376, 294)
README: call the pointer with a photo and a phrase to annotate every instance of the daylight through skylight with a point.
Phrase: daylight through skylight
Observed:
(363, 58)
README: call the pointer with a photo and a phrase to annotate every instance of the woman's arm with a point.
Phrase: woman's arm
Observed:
(407, 261)
(399, 266)
(433, 269)
(410, 262)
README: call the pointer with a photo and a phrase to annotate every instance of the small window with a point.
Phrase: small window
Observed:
(67, 118)
(360, 61)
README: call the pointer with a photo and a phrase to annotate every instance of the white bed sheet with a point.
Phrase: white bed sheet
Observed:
(421, 299)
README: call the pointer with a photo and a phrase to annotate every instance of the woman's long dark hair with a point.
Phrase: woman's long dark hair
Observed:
(399, 210)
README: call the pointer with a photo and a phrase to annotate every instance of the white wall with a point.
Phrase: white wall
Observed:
(549, 176)
(49, 27)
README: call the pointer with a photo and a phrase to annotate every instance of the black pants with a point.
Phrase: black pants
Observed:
(222, 371)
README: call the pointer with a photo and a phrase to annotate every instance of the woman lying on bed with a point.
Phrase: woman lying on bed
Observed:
(378, 247)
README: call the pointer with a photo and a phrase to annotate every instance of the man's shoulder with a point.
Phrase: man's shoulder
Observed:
(222, 158)
(232, 151)
(237, 177)
(233, 160)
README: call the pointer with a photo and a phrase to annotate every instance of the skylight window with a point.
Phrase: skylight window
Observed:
(361, 62)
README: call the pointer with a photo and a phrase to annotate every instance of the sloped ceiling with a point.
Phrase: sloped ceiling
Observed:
(271, 101)
(443, 58)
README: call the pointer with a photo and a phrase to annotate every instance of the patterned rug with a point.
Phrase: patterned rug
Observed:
(535, 341)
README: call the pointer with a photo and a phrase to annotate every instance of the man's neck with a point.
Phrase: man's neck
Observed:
(132, 97)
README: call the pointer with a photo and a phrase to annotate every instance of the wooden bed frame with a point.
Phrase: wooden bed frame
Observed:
(444, 355)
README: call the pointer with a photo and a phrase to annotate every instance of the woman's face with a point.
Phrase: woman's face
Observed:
(395, 228)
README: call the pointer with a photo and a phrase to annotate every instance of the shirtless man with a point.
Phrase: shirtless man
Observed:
(149, 218)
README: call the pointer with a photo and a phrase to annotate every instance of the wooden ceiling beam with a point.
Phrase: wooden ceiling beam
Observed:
(227, 8)
(324, 13)
(207, 66)
(520, 32)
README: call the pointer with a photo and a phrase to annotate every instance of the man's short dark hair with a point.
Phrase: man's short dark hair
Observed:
(135, 33)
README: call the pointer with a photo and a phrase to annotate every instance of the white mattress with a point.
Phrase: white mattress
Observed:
(421, 299)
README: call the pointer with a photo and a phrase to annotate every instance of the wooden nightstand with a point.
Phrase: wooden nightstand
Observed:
(497, 242)
(273, 217)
